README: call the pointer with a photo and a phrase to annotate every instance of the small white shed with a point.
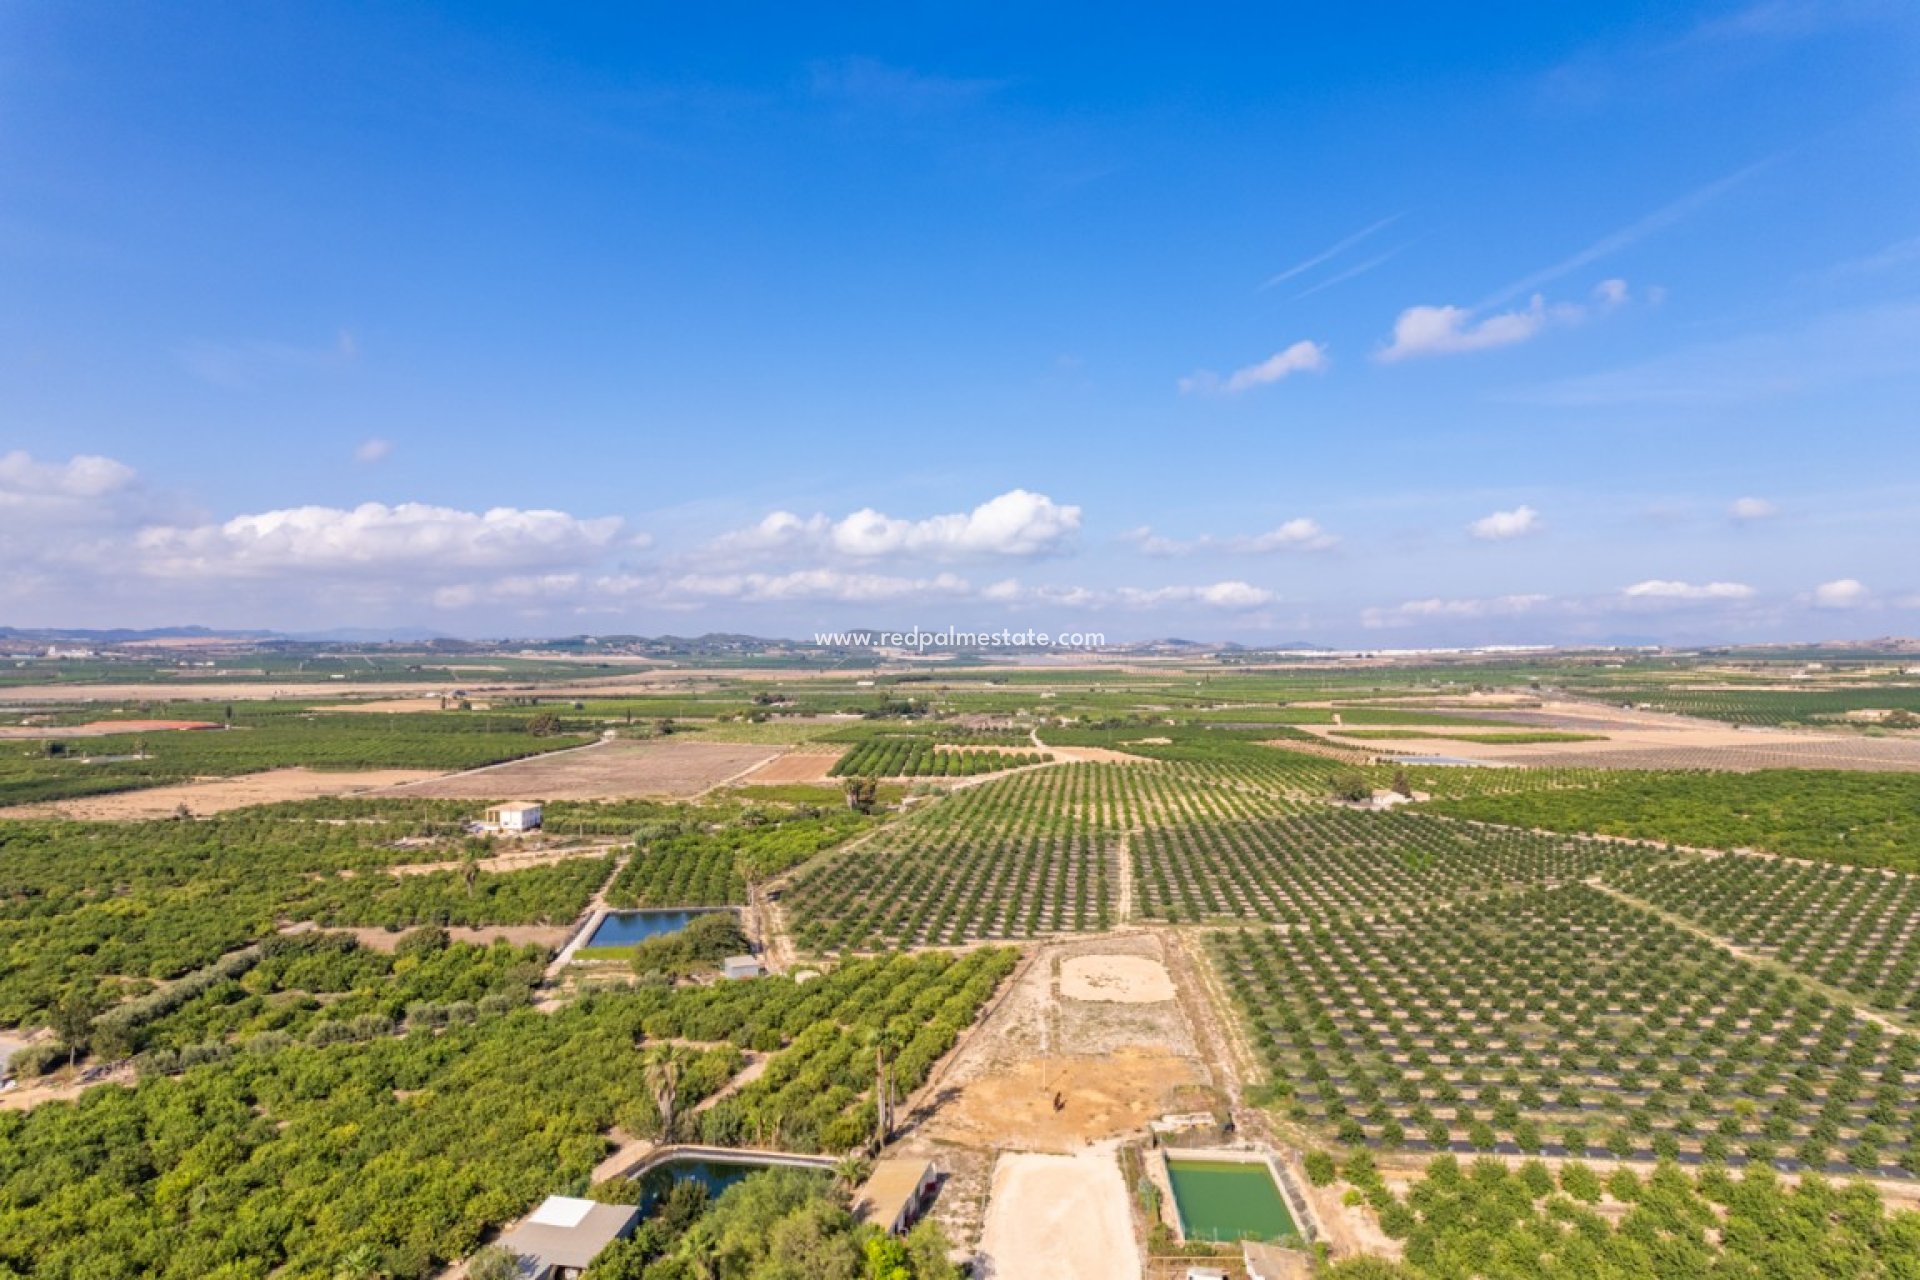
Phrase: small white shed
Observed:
(521, 815)
(742, 967)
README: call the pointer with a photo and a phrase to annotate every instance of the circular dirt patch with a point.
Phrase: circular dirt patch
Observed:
(1115, 980)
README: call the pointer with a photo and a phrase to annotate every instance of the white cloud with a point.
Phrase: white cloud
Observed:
(1017, 523)
(1232, 595)
(1444, 330)
(1438, 608)
(815, 584)
(1302, 533)
(1670, 589)
(416, 538)
(1501, 525)
(372, 450)
(1302, 357)
(1842, 593)
(75, 488)
(1449, 330)
(1745, 509)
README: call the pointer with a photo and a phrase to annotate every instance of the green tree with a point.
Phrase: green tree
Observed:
(494, 1263)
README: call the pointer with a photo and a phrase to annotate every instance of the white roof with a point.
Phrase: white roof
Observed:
(561, 1211)
(518, 806)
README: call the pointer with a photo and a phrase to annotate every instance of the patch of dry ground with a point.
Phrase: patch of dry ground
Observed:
(101, 728)
(217, 795)
(616, 769)
(403, 705)
(1130, 1058)
(1115, 979)
(1651, 740)
(1058, 1217)
(809, 765)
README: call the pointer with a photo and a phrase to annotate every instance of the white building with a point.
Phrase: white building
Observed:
(742, 967)
(560, 1239)
(518, 816)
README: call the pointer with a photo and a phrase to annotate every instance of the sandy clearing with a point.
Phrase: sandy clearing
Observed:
(217, 795)
(101, 728)
(614, 769)
(1101, 1096)
(1055, 1217)
(1115, 979)
(403, 706)
(1094, 755)
(796, 766)
(1637, 739)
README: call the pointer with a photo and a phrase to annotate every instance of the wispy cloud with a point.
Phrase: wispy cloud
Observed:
(1834, 349)
(1441, 609)
(1303, 533)
(241, 366)
(1749, 509)
(1301, 357)
(1673, 589)
(1901, 253)
(1328, 254)
(1634, 232)
(372, 450)
(1379, 260)
(872, 83)
(1450, 330)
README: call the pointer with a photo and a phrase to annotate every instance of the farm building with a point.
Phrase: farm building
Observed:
(518, 816)
(560, 1239)
(896, 1193)
(742, 967)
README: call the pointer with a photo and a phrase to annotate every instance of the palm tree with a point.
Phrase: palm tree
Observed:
(663, 1085)
(850, 1170)
(469, 869)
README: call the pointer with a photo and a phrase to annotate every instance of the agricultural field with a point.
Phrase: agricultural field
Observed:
(696, 861)
(611, 770)
(1225, 898)
(1864, 819)
(1565, 1020)
(1849, 928)
(905, 756)
(1298, 869)
(1032, 854)
(415, 1145)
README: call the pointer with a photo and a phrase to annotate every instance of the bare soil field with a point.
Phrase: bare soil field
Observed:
(1058, 1217)
(1093, 755)
(402, 706)
(1115, 979)
(100, 728)
(612, 770)
(1092, 1025)
(1655, 740)
(217, 795)
(796, 766)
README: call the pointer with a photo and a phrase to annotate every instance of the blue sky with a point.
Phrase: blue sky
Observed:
(1379, 324)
